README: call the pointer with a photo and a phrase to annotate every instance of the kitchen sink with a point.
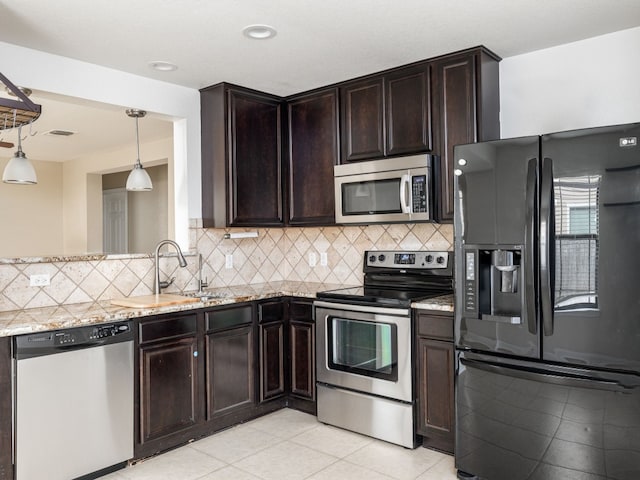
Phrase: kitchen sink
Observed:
(204, 296)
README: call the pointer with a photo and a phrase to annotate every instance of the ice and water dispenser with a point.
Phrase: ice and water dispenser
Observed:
(493, 284)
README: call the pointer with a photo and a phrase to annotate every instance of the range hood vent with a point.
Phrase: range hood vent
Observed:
(16, 113)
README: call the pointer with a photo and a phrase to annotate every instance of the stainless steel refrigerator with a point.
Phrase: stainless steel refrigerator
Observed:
(547, 306)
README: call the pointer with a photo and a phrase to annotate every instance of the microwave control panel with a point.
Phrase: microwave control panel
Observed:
(419, 193)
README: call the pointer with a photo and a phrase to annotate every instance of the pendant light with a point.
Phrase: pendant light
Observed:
(19, 170)
(138, 180)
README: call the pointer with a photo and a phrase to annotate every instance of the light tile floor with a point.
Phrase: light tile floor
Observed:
(290, 445)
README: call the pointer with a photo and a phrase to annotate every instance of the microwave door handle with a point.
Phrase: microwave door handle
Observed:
(405, 190)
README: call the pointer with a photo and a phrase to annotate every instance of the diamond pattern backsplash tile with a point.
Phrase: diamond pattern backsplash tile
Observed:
(277, 254)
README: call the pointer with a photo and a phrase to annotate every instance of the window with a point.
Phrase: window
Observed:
(576, 253)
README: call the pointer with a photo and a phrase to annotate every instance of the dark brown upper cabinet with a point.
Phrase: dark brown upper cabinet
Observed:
(313, 151)
(362, 117)
(408, 110)
(467, 109)
(241, 157)
(387, 114)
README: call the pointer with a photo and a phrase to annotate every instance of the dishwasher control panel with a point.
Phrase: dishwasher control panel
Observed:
(102, 331)
(47, 343)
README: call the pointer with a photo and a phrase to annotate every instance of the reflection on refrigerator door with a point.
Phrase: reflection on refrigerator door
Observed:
(523, 422)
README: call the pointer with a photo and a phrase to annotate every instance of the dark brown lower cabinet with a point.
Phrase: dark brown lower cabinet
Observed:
(302, 356)
(272, 318)
(169, 393)
(230, 361)
(205, 371)
(435, 357)
(272, 383)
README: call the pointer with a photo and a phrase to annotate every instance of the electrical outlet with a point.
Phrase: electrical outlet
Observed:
(40, 280)
(313, 261)
(228, 262)
(324, 261)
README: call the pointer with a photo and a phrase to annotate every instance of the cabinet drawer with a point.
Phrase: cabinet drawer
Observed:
(163, 328)
(228, 318)
(301, 311)
(435, 326)
(271, 311)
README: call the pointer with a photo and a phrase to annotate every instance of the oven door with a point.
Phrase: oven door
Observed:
(366, 349)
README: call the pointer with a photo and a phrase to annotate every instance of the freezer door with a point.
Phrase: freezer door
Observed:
(495, 222)
(590, 220)
(531, 421)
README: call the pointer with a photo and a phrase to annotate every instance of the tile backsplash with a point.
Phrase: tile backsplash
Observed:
(277, 254)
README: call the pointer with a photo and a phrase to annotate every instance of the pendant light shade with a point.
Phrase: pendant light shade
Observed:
(19, 170)
(138, 180)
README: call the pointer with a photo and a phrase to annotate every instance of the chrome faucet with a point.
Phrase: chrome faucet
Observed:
(159, 285)
(201, 284)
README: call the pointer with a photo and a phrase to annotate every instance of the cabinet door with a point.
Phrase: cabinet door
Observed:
(168, 387)
(362, 116)
(435, 394)
(455, 84)
(408, 110)
(255, 193)
(230, 379)
(302, 359)
(272, 383)
(313, 151)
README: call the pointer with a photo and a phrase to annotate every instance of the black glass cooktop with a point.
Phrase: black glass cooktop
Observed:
(379, 296)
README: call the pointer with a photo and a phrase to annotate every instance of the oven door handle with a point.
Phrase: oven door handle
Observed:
(396, 312)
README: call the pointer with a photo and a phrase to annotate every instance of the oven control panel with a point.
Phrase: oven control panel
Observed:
(407, 260)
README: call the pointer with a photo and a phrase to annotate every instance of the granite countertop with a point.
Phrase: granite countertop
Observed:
(443, 303)
(18, 322)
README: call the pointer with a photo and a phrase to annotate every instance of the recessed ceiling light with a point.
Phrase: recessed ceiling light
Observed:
(163, 66)
(259, 32)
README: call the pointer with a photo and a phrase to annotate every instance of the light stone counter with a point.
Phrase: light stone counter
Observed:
(443, 303)
(18, 322)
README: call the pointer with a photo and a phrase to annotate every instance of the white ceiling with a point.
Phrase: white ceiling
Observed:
(318, 42)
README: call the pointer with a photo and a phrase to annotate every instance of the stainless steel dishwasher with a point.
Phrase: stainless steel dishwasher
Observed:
(73, 402)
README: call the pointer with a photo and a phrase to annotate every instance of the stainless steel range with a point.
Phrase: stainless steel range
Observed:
(364, 343)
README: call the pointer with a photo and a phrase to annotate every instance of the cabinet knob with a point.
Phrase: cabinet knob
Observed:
(195, 354)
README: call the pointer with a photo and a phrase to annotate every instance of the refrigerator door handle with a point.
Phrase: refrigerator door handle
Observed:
(552, 376)
(546, 246)
(529, 255)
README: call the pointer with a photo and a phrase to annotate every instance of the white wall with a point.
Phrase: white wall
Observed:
(82, 197)
(589, 83)
(64, 76)
(30, 214)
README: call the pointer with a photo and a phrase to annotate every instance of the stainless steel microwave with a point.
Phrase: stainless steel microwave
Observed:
(384, 191)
